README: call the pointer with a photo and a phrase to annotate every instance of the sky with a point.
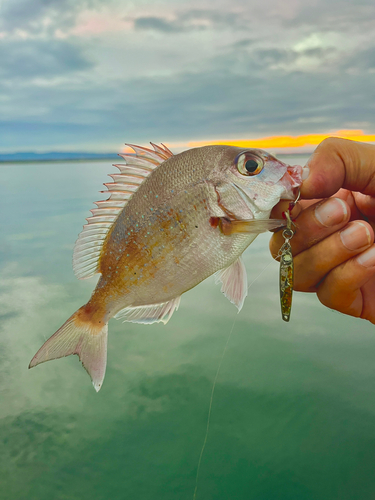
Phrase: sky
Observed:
(91, 75)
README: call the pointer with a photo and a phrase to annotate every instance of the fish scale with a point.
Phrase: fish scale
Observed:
(169, 223)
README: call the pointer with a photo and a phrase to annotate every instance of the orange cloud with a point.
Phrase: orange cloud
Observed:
(288, 141)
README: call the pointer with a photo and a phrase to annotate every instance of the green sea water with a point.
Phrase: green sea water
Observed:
(293, 413)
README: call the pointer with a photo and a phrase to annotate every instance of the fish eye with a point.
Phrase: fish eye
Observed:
(249, 164)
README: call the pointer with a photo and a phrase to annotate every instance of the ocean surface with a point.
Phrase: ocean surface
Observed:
(293, 413)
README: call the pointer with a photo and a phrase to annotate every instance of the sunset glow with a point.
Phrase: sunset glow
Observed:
(289, 142)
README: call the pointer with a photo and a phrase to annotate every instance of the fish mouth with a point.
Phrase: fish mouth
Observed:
(291, 180)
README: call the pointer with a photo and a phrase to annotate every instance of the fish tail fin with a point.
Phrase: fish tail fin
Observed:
(82, 334)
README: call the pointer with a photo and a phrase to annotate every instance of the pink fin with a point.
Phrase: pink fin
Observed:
(156, 155)
(159, 150)
(153, 313)
(137, 168)
(80, 337)
(262, 225)
(253, 226)
(234, 282)
(167, 150)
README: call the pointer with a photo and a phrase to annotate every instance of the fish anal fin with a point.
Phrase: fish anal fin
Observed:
(90, 242)
(234, 282)
(152, 313)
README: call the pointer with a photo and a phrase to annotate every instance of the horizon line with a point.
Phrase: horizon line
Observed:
(281, 144)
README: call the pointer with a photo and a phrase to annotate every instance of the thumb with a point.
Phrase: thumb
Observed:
(340, 163)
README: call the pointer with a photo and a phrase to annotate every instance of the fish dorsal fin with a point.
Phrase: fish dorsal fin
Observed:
(154, 313)
(136, 169)
(234, 282)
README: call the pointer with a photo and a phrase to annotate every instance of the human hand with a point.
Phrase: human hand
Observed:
(333, 247)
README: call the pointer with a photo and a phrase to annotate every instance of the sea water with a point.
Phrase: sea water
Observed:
(293, 413)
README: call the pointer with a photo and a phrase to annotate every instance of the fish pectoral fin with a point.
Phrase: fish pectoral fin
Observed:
(254, 226)
(234, 282)
(152, 313)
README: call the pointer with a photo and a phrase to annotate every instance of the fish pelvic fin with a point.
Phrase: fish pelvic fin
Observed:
(234, 282)
(82, 334)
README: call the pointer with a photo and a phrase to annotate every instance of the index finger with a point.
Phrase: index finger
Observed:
(340, 163)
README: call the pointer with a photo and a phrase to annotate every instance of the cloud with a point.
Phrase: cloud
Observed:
(343, 12)
(157, 24)
(244, 43)
(167, 72)
(37, 58)
(213, 104)
(29, 15)
(41, 18)
(360, 62)
(189, 20)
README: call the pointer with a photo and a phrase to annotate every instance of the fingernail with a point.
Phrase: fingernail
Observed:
(331, 212)
(305, 172)
(367, 259)
(355, 236)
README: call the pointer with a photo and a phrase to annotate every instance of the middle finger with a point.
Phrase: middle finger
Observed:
(311, 266)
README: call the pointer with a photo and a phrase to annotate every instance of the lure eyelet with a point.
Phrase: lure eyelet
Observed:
(249, 164)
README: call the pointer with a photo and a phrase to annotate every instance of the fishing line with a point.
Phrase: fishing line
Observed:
(210, 408)
(260, 274)
(213, 390)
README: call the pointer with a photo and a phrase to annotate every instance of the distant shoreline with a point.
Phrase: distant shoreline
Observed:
(61, 157)
(58, 160)
(54, 156)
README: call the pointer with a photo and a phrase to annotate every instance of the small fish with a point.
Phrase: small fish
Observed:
(170, 222)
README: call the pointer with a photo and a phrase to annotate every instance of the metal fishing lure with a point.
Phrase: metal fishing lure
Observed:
(286, 264)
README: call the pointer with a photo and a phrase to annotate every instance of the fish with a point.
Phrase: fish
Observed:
(170, 222)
